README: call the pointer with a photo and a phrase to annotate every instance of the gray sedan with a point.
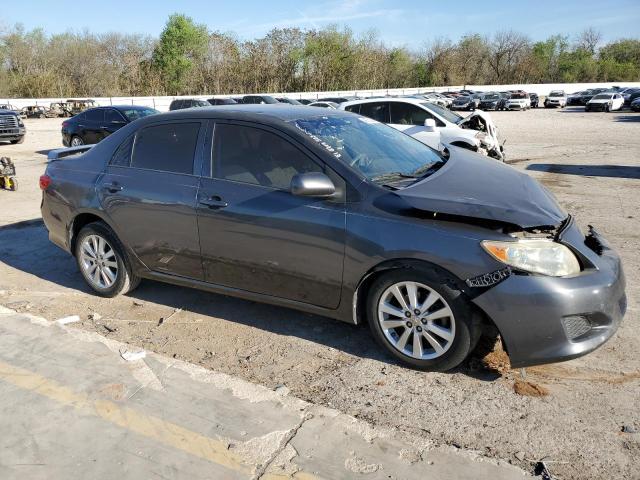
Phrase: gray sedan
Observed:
(336, 214)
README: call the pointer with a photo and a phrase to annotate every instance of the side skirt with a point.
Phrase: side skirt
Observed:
(244, 294)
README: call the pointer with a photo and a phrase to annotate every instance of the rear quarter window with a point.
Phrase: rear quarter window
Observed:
(122, 157)
(170, 147)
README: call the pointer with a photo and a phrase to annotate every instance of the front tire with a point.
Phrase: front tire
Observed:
(102, 261)
(17, 140)
(421, 320)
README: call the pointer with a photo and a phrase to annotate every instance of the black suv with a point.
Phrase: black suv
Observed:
(258, 99)
(221, 101)
(95, 124)
(182, 103)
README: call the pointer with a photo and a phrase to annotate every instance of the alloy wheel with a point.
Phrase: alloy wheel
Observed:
(76, 142)
(416, 320)
(98, 261)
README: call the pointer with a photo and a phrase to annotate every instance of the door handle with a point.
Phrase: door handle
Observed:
(214, 202)
(112, 187)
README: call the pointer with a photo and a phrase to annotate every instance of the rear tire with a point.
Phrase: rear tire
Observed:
(102, 260)
(76, 141)
(17, 141)
(435, 328)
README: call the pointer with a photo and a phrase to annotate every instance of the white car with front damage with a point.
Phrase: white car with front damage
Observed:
(433, 124)
(605, 102)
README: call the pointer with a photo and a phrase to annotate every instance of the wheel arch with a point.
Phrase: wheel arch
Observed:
(438, 272)
(81, 220)
(361, 292)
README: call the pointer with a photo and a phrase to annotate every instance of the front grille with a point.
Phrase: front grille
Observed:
(576, 326)
(8, 121)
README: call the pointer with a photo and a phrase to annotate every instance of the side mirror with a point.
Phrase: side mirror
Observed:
(312, 184)
(430, 125)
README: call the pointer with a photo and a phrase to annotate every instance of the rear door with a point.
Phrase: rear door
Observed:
(92, 126)
(377, 110)
(149, 192)
(254, 234)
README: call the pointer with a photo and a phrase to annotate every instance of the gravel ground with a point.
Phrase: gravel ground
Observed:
(590, 161)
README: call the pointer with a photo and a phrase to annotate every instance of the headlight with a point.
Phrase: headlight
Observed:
(538, 256)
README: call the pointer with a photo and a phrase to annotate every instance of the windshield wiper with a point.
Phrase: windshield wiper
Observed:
(427, 169)
(391, 176)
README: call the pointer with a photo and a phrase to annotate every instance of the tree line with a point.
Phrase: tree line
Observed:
(187, 58)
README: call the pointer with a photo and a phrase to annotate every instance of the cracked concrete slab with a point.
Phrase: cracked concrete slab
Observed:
(74, 408)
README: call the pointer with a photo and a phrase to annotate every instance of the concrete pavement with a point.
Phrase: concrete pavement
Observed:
(73, 407)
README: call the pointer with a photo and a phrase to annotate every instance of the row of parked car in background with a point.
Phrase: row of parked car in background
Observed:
(429, 117)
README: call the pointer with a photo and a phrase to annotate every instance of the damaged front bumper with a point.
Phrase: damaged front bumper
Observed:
(548, 319)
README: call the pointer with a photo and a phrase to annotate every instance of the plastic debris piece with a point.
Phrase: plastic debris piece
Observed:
(69, 319)
(133, 356)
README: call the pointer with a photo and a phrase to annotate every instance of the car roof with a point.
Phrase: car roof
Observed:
(416, 101)
(278, 112)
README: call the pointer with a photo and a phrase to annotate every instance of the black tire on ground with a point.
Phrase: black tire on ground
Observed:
(14, 184)
(467, 323)
(79, 139)
(126, 280)
(17, 140)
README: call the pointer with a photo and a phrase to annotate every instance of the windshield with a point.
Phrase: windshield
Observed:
(518, 95)
(602, 96)
(445, 113)
(381, 153)
(491, 96)
(136, 113)
(556, 94)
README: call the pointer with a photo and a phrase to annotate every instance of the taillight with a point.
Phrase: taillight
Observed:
(45, 181)
(65, 124)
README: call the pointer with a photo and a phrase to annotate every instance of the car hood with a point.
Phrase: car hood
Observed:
(472, 185)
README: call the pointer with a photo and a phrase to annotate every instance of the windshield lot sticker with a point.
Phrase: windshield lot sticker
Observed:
(320, 142)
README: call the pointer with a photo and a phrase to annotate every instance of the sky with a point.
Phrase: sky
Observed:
(410, 23)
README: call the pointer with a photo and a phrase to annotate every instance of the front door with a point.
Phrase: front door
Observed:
(254, 234)
(149, 192)
(409, 119)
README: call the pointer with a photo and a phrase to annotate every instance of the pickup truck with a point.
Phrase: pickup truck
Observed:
(12, 127)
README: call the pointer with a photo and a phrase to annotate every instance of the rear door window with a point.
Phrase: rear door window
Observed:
(377, 110)
(170, 147)
(96, 116)
(353, 108)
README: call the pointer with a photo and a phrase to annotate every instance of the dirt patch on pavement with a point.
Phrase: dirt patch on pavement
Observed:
(529, 389)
